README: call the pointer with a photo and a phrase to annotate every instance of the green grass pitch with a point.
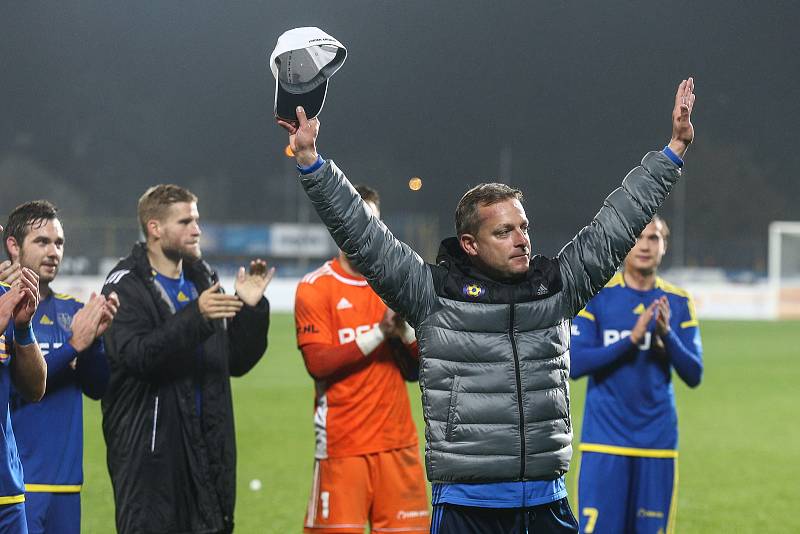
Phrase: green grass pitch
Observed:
(740, 441)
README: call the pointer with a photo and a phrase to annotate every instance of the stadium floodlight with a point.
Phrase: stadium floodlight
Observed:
(784, 268)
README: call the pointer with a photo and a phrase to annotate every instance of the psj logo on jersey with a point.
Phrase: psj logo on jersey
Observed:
(473, 290)
(346, 335)
(612, 336)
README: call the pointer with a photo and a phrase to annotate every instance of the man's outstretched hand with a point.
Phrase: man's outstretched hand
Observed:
(302, 137)
(682, 129)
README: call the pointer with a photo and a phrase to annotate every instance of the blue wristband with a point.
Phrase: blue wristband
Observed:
(24, 336)
(313, 167)
(676, 159)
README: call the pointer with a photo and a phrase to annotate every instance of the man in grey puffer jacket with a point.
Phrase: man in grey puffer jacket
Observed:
(493, 326)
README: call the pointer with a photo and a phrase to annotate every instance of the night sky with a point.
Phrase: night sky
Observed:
(558, 98)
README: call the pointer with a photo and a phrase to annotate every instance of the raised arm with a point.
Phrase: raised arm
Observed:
(392, 268)
(593, 256)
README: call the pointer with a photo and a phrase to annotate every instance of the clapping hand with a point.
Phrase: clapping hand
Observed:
(642, 324)
(28, 283)
(390, 324)
(86, 323)
(8, 302)
(663, 315)
(250, 286)
(9, 272)
(393, 325)
(216, 305)
(109, 312)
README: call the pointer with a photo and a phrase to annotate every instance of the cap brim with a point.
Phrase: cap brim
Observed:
(286, 103)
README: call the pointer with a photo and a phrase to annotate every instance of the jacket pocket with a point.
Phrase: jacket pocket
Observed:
(451, 410)
(155, 426)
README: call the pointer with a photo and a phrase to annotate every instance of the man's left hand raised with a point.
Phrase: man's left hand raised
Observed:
(682, 128)
(302, 138)
(250, 286)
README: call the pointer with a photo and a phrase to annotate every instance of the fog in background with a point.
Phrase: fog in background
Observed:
(99, 100)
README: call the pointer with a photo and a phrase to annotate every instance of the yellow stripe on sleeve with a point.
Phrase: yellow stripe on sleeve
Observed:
(628, 451)
(692, 314)
(12, 499)
(586, 315)
(52, 488)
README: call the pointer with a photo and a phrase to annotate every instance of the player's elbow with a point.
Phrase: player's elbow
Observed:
(32, 384)
(317, 372)
(576, 370)
(694, 380)
(95, 391)
(34, 391)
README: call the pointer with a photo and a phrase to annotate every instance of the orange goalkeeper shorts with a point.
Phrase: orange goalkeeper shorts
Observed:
(385, 490)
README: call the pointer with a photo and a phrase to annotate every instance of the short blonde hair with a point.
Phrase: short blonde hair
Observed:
(155, 202)
(664, 227)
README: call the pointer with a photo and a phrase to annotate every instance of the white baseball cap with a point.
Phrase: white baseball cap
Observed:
(302, 62)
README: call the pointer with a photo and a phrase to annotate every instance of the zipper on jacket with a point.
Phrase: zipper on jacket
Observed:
(519, 392)
(155, 420)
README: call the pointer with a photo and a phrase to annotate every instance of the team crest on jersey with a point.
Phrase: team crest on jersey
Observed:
(473, 290)
(64, 321)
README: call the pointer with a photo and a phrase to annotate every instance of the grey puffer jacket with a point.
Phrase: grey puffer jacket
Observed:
(494, 356)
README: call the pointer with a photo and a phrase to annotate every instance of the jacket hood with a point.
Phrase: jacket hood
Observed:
(451, 254)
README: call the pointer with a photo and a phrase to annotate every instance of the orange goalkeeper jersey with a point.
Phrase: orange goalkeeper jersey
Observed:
(364, 408)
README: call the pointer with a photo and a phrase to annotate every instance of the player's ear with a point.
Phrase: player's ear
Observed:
(153, 229)
(13, 248)
(468, 244)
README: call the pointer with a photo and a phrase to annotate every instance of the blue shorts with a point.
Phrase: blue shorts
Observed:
(627, 493)
(551, 518)
(53, 512)
(12, 519)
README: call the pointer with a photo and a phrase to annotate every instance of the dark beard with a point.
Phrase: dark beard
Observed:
(176, 255)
